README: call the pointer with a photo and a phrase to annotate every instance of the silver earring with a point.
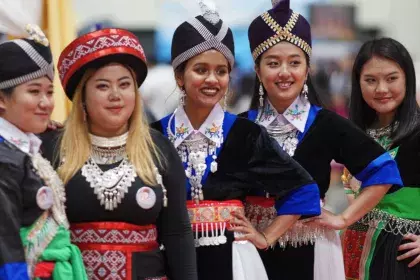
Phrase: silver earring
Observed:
(305, 91)
(261, 93)
(224, 102)
(182, 97)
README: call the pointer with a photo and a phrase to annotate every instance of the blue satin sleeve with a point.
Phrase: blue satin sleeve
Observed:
(303, 201)
(382, 170)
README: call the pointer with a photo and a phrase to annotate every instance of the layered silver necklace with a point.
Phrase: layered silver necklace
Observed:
(193, 151)
(110, 186)
(285, 135)
(382, 135)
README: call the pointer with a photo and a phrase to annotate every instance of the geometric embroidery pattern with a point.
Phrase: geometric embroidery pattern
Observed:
(107, 247)
(110, 265)
(114, 236)
(210, 212)
(281, 34)
(97, 44)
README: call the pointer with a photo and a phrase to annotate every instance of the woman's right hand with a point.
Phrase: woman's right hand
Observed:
(413, 247)
(248, 232)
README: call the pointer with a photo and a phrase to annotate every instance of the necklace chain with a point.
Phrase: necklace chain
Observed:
(285, 135)
(193, 152)
(111, 185)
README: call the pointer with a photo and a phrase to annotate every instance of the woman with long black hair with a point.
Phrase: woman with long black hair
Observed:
(383, 103)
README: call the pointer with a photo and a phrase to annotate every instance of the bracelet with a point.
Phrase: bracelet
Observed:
(266, 241)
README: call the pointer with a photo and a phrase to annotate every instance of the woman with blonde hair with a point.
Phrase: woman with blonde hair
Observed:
(124, 182)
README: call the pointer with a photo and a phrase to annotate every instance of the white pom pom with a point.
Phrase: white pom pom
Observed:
(209, 11)
(36, 34)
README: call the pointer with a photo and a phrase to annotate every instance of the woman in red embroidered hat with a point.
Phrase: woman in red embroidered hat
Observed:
(34, 235)
(287, 105)
(226, 157)
(124, 182)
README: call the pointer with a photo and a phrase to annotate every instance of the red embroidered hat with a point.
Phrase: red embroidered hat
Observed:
(97, 49)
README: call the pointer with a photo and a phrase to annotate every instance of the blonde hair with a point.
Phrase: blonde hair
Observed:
(75, 146)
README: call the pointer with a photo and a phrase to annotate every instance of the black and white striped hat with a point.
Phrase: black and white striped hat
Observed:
(23, 60)
(200, 34)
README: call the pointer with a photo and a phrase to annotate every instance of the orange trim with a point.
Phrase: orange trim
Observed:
(210, 203)
(210, 212)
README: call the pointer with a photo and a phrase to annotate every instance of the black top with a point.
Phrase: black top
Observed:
(249, 163)
(251, 160)
(173, 224)
(18, 208)
(407, 158)
(332, 137)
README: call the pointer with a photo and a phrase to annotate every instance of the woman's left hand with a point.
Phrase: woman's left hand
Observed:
(329, 220)
(242, 225)
(413, 247)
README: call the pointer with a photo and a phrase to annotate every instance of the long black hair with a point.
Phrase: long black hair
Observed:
(408, 113)
(313, 96)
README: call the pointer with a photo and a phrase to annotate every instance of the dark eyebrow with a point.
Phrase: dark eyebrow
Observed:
(276, 56)
(371, 75)
(123, 78)
(101, 80)
(35, 84)
(106, 80)
(207, 64)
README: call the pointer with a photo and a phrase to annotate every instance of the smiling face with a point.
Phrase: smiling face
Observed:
(383, 85)
(283, 70)
(110, 97)
(205, 79)
(29, 106)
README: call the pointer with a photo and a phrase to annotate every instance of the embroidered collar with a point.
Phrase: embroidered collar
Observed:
(211, 128)
(26, 142)
(296, 114)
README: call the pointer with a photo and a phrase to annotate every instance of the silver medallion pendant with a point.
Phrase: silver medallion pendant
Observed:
(285, 135)
(146, 197)
(45, 198)
(110, 186)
